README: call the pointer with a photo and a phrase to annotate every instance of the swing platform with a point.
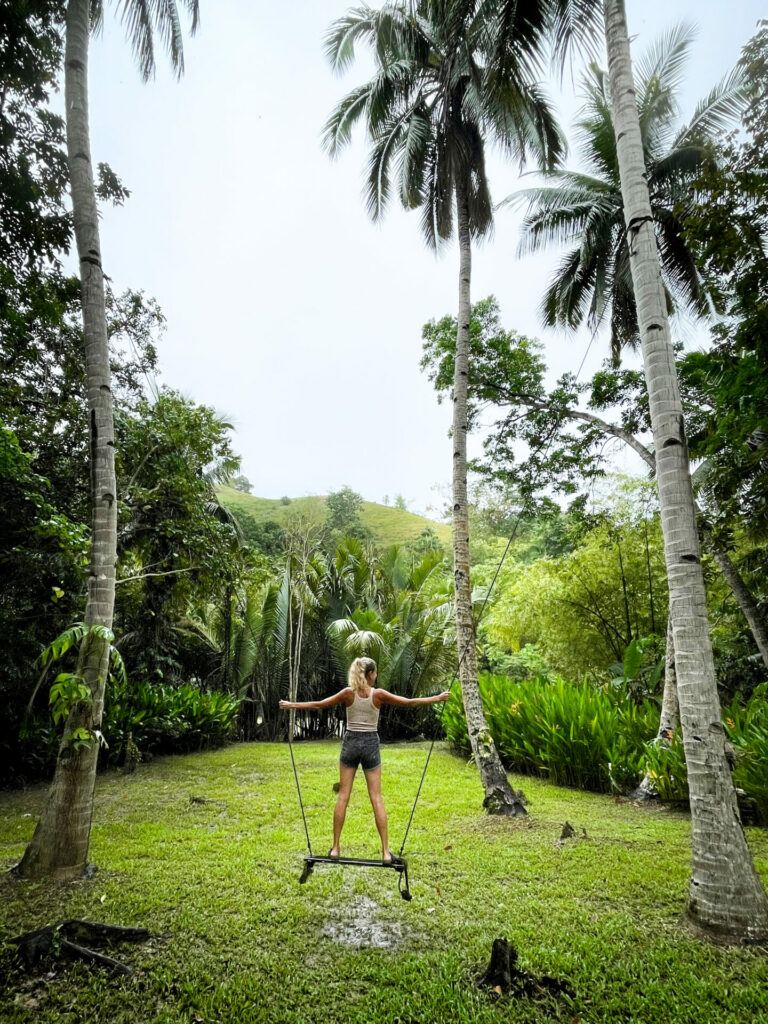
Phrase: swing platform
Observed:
(399, 864)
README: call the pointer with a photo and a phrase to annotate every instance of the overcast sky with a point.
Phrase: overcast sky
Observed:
(288, 310)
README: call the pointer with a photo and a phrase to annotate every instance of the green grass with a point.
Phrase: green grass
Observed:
(236, 939)
(388, 525)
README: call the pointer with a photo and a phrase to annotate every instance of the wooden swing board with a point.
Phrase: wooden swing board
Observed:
(357, 862)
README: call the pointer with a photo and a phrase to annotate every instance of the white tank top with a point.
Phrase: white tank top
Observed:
(362, 716)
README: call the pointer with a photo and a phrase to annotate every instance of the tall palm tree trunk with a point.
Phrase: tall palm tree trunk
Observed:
(726, 898)
(60, 843)
(500, 798)
(669, 719)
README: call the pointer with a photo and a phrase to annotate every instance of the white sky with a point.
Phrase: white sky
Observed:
(288, 310)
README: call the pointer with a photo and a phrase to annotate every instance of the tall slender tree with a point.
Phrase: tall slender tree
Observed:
(434, 100)
(59, 846)
(726, 897)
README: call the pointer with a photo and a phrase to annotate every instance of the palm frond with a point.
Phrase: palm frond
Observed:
(561, 214)
(137, 20)
(337, 130)
(415, 147)
(437, 208)
(594, 129)
(143, 18)
(664, 61)
(386, 145)
(339, 44)
(717, 112)
(576, 26)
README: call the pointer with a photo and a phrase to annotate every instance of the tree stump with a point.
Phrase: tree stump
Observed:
(502, 968)
(503, 976)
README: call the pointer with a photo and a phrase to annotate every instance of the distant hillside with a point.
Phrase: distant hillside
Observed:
(388, 525)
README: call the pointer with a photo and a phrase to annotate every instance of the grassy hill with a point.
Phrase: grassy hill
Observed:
(388, 525)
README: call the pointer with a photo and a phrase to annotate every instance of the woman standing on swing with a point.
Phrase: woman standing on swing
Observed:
(361, 742)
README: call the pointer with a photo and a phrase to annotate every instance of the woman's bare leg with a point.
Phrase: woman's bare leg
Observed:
(346, 778)
(373, 782)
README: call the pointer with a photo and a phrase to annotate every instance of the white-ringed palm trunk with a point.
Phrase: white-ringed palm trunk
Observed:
(726, 899)
(669, 719)
(59, 847)
(500, 798)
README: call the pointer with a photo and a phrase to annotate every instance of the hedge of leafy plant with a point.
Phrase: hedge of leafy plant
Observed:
(159, 719)
(166, 719)
(597, 738)
(746, 728)
(574, 734)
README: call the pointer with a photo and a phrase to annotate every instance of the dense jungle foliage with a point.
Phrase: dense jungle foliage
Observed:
(220, 612)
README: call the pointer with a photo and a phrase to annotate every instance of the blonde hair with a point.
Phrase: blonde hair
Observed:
(359, 671)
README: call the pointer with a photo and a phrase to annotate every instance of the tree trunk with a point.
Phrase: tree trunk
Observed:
(726, 898)
(500, 798)
(740, 590)
(669, 719)
(670, 714)
(59, 847)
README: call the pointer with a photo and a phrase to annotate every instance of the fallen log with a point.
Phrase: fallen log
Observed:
(73, 940)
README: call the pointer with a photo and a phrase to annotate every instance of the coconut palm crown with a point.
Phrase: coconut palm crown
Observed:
(584, 209)
(434, 100)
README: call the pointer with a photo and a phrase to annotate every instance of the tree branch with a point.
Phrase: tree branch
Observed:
(146, 575)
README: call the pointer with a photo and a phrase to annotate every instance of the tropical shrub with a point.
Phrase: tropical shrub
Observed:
(599, 738)
(573, 734)
(664, 762)
(746, 726)
(162, 719)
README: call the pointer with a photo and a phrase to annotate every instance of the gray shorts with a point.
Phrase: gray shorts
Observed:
(360, 748)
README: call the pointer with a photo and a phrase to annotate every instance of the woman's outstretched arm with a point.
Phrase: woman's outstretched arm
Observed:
(385, 697)
(342, 697)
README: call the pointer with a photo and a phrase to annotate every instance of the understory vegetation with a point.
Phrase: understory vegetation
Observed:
(235, 938)
(593, 595)
(601, 739)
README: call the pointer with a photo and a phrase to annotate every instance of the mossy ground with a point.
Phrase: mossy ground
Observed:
(236, 939)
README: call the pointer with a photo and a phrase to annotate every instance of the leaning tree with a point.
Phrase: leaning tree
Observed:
(726, 897)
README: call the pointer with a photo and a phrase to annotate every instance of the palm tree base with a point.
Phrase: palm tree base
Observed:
(505, 801)
(716, 936)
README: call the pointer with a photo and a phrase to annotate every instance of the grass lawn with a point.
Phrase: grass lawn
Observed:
(236, 939)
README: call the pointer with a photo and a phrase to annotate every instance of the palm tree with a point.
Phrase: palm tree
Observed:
(726, 898)
(306, 574)
(255, 643)
(403, 623)
(584, 210)
(60, 843)
(434, 99)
